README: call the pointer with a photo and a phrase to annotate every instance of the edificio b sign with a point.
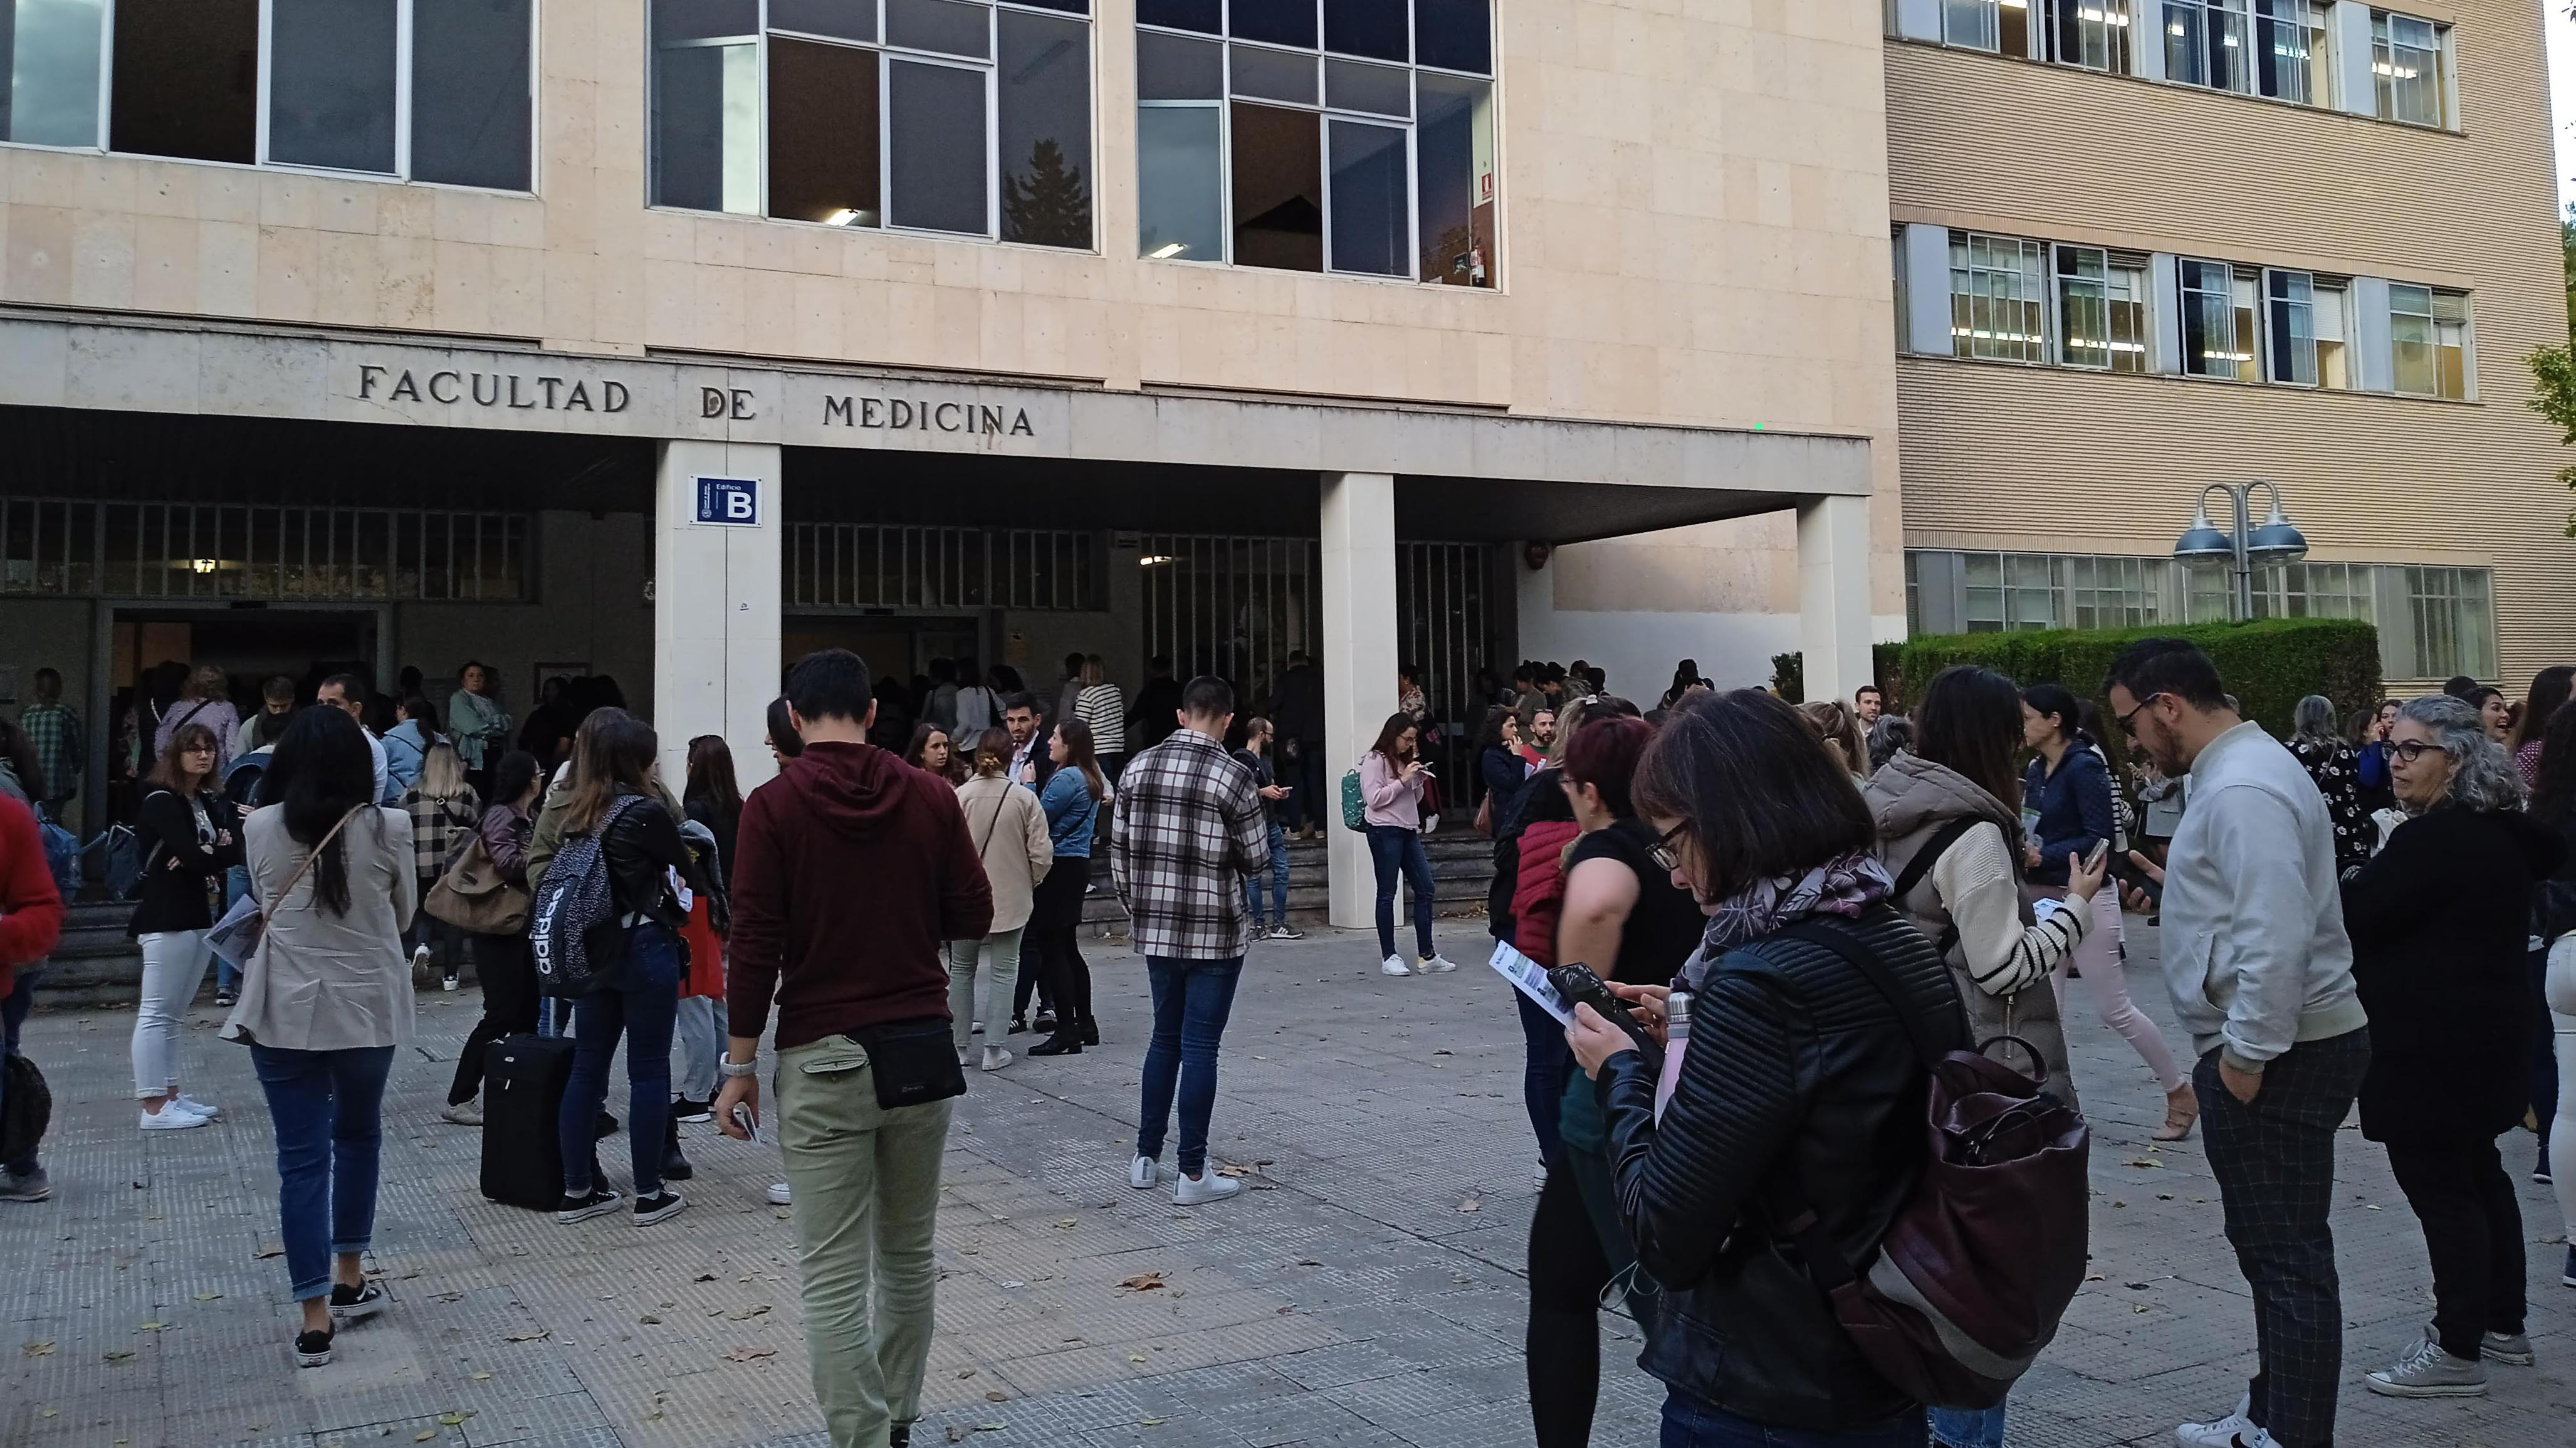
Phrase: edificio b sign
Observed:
(729, 502)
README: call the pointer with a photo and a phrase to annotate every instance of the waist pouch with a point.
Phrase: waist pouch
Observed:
(915, 1061)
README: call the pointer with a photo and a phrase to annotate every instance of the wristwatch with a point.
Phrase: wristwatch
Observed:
(739, 1068)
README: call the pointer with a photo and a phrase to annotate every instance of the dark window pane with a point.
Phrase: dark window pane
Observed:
(1380, 89)
(941, 25)
(1278, 188)
(706, 127)
(1273, 75)
(1372, 224)
(1207, 16)
(704, 19)
(844, 19)
(49, 71)
(822, 133)
(1365, 27)
(1171, 68)
(1045, 111)
(1069, 7)
(469, 92)
(1454, 34)
(187, 79)
(331, 83)
(1180, 207)
(935, 136)
(1454, 165)
(1281, 22)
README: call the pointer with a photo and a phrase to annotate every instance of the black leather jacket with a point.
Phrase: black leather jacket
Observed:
(639, 844)
(1798, 1069)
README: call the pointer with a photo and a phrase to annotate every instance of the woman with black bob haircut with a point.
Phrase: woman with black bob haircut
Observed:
(1797, 1064)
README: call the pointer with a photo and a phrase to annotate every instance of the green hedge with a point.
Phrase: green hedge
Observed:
(2269, 664)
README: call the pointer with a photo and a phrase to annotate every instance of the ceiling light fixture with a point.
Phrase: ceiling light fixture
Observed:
(1168, 250)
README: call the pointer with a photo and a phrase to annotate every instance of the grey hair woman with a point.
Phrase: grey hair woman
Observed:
(2314, 718)
(2336, 768)
(2438, 921)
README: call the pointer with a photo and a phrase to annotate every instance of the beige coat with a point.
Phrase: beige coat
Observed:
(324, 982)
(1010, 832)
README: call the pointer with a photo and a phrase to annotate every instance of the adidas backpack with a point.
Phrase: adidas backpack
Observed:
(573, 933)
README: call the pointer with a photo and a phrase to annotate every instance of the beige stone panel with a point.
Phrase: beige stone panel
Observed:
(286, 199)
(618, 300)
(517, 289)
(457, 215)
(722, 315)
(345, 279)
(619, 130)
(462, 291)
(287, 256)
(165, 189)
(863, 258)
(772, 248)
(910, 321)
(864, 311)
(40, 254)
(574, 138)
(227, 268)
(518, 222)
(814, 251)
(769, 309)
(956, 325)
(720, 241)
(816, 321)
(571, 292)
(348, 206)
(670, 303)
(406, 284)
(1002, 339)
(102, 259)
(223, 193)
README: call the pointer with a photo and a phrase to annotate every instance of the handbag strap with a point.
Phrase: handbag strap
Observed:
(995, 822)
(306, 863)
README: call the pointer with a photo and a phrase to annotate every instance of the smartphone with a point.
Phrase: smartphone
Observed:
(750, 1124)
(2100, 849)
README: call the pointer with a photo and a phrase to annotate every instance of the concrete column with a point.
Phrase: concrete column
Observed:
(1833, 594)
(716, 589)
(1358, 656)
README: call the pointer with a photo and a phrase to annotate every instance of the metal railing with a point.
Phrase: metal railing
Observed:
(87, 548)
(876, 566)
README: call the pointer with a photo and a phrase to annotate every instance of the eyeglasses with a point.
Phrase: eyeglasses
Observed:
(1663, 852)
(2413, 749)
(2128, 721)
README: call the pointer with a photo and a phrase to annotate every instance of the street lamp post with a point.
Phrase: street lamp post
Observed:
(2246, 547)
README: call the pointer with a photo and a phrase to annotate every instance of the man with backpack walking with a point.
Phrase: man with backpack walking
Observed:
(1190, 831)
(2260, 971)
(849, 870)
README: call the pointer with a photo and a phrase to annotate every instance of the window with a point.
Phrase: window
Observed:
(2332, 304)
(2114, 592)
(1349, 136)
(315, 84)
(2452, 612)
(1997, 298)
(2206, 43)
(2291, 297)
(2292, 56)
(1996, 592)
(2101, 309)
(960, 117)
(2406, 65)
(2276, 48)
(2218, 321)
(2093, 34)
(1997, 25)
(2428, 340)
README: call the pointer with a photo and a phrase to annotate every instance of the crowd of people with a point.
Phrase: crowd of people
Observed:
(1811, 899)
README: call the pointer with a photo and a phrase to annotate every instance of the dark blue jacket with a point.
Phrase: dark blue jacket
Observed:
(2074, 808)
(1505, 776)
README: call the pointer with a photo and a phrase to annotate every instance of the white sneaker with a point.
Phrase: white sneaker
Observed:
(1394, 965)
(995, 1058)
(420, 957)
(1207, 1186)
(186, 1102)
(172, 1117)
(778, 1194)
(1140, 1174)
(2221, 1432)
(1436, 965)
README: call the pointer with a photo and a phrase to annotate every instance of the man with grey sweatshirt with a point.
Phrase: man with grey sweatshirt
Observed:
(2260, 971)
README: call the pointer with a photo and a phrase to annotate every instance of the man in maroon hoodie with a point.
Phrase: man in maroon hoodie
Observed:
(848, 870)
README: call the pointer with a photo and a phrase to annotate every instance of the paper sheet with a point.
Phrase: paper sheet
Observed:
(1530, 979)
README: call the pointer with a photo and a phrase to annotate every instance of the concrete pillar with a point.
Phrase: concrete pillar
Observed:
(1833, 595)
(716, 590)
(1358, 656)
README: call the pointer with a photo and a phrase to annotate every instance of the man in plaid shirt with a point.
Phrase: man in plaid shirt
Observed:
(54, 727)
(1189, 829)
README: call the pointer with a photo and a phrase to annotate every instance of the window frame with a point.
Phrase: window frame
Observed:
(1963, 244)
(2434, 325)
(262, 97)
(2115, 265)
(1325, 113)
(2383, 41)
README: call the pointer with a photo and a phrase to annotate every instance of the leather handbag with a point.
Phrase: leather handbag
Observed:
(472, 896)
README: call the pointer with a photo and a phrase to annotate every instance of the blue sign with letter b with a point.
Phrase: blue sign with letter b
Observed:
(731, 501)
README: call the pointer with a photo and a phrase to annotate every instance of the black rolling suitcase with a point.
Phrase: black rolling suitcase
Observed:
(523, 1091)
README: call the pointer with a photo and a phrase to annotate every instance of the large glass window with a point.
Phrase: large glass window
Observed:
(2428, 340)
(1351, 136)
(1995, 592)
(2101, 309)
(190, 78)
(963, 117)
(2453, 614)
(2091, 33)
(2292, 59)
(2291, 298)
(2406, 64)
(1998, 298)
(2219, 325)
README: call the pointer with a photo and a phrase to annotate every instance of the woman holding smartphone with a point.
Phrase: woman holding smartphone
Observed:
(1392, 778)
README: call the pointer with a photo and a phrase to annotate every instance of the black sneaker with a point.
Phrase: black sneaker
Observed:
(313, 1347)
(224, 998)
(355, 1304)
(664, 1203)
(1019, 1025)
(1090, 1031)
(1062, 1043)
(899, 1435)
(598, 1203)
(1044, 1023)
(693, 1111)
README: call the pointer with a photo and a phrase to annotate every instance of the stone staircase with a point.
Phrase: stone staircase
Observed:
(96, 963)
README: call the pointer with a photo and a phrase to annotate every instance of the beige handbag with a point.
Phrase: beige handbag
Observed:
(473, 897)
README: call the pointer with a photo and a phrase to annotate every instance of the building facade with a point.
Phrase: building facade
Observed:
(665, 339)
(2146, 245)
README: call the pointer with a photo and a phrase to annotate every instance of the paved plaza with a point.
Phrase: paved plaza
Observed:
(1366, 1291)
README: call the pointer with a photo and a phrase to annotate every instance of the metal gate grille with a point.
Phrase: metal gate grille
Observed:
(88, 548)
(869, 565)
(1447, 632)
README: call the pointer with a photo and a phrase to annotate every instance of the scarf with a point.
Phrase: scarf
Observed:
(1845, 886)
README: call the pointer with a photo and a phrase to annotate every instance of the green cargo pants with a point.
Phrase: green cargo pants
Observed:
(866, 1185)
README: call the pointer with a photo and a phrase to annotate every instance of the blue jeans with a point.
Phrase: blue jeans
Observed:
(1192, 999)
(1690, 1422)
(1969, 1427)
(236, 885)
(328, 1109)
(1278, 880)
(1546, 1060)
(1394, 849)
(13, 1014)
(640, 1002)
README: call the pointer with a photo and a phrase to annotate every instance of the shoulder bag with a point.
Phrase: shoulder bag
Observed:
(472, 896)
(237, 936)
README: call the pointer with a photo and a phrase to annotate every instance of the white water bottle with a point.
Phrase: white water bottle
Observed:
(1677, 1009)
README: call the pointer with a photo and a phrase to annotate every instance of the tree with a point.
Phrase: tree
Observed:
(1049, 206)
(2553, 396)
(2567, 243)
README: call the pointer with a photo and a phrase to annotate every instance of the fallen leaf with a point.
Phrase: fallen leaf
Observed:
(1149, 1422)
(269, 1249)
(1308, 1262)
(1135, 1357)
(457, 1417)
(529, 1334)
(1471, 1203)
(1014, 1283)
(1066, 1222)
(1143, 1282)
(49, 1412)
(2094, 1277)
(956, 1435)
(649, 1320)
(970, 1372)
(704, 1277)
(996, 1397)
(482, 1377)
(747, 1354)
(41, 1347)
(1231, 1171)
(424, 1435)
(1444, 1051)
(746, 1314)
(118, 1354)
(2136, 1286)
(151, 1327)
(2142, 1162)
(208, 1296)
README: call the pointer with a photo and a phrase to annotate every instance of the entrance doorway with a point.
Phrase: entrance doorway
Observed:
(151, 650)
(898, 649)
